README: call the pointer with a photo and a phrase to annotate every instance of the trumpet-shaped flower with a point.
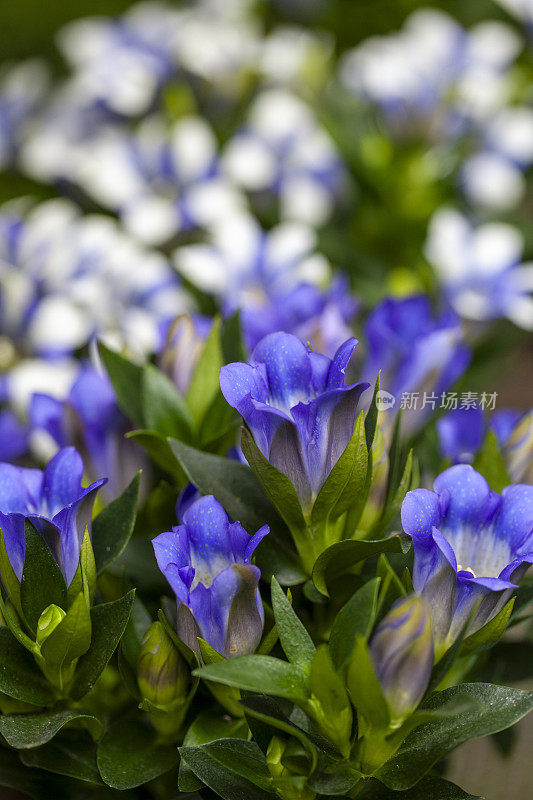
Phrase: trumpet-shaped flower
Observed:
(297, 406)
(54, 501)
(206, 561)
(471, 547)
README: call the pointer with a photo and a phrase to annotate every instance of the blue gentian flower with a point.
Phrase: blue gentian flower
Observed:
(90, 418)
(470, 545)
(461, 434)
(402, 653)
(14, 436)
(415, 350)
(297, 407)
(54, 501)
(206, 561)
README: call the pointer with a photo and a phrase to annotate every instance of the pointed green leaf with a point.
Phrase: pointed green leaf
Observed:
(294, 638)
(126, 378)
(262, 674)
(71, 638)
(108, 622)
(276, 485)
(342, 556)
(346, 480)
(31, 730)
(42, 582)
(495, 708)
(489, 462)
(112, 528)
(364, 688)
(205, 384)
(67, 754)
(232, 768)
(356, 618)
(129, 754)
(164, 410)
(232, 483)
(20, 676)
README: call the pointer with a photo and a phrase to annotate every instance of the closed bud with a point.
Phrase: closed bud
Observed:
(48, 622)
(162, 673)
(402, 653)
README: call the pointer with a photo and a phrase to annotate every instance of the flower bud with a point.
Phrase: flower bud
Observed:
(162, 673)
(48, 622)
(402, 653)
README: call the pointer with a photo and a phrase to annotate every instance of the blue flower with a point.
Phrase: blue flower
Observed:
(297, 407)
(461, 434)
(206, 561)
(416, 351)
(470, 545)
(13, 437)
(184, 345)
(402, 653)
(91, 415)
(55, 503)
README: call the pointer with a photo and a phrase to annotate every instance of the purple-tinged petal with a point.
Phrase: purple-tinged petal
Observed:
(72, 522)
(421, 512)
(514, 521)
(20, 489)
(62, 479)
(288, 368)
(339, 364)
(469, 494)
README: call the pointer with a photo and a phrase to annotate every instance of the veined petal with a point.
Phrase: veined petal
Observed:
(514, 521)
(421, 512)
(288, 368)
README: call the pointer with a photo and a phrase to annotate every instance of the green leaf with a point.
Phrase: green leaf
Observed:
(108, 622)
(496, 708)
(84, 579)
(138, 623)
(395, 499)
(68, 754)
(262, 674)
(334, 713)
(490, 633)
(342, 556)
(129, 755)
(489, 462)
(205, 383)
(346, 481)
(71, 638)
(294, 638)
(42, 582)
(126, 378)
(233, 768)
(158, 449)
(232, 483)
(372, 417)
(31, 730)
(232, 343)
(164, 410)
(429, 788)
(32, 782)
(356, 618)
(206, 728)
(19, 675)
(364, 688)
(276, 485)
(112, 528)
